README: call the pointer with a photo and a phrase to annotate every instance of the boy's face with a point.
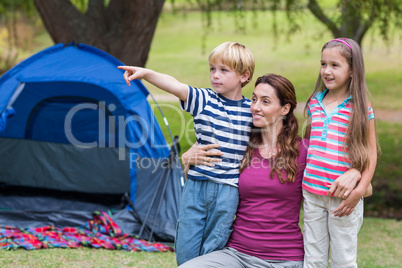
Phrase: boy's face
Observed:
(226, 81)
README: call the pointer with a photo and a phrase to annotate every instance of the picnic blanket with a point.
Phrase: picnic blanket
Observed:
(100, 232)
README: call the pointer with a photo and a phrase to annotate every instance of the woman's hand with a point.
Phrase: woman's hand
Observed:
(199, 155)
(348, 205)
(345, 183)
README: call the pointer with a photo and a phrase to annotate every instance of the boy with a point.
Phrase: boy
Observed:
(210, 196)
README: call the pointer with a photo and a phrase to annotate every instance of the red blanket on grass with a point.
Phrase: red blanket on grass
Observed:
(100, 232)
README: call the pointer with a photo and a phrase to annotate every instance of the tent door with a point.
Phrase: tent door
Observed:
(73, 120)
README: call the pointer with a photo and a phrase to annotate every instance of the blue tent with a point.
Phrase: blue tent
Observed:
(74, 138)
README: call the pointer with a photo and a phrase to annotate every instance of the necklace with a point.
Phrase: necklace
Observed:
(337, 99)
(330, 102)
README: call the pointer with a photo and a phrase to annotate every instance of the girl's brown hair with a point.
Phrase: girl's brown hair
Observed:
(288, 142)
(358, 147)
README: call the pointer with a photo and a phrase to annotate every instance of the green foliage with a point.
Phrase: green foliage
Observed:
(350, 18)
(82, 5)
(299, 61)
(184, 57)
(7, 7)
(387, 182)
(10, 13)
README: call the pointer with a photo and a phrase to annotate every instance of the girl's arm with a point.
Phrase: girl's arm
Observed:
(162, 81)
(369, 191)
(346, 207)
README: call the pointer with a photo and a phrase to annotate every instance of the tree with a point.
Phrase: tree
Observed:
(349, 18)
(124, 28)
(9, 15)
(355, 17)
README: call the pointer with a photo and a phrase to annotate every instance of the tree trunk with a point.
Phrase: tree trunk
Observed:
(124, 28)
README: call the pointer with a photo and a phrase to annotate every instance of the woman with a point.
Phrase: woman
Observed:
(266, 231)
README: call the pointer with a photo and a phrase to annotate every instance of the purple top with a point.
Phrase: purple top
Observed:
(267, 219)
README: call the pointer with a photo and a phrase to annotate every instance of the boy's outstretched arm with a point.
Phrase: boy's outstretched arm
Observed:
(162, 81)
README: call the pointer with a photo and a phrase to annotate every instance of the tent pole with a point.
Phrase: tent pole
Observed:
(135, 212)
(160, 202)
(152, 203)
(171, 136)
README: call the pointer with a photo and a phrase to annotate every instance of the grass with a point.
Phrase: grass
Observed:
(85, 257)
(379, 246)
(297, 58)
(185, 56)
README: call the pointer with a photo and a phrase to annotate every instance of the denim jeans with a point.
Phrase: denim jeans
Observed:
(205, 219)
(323, 231)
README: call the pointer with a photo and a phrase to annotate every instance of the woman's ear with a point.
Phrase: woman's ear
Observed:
(286, 109)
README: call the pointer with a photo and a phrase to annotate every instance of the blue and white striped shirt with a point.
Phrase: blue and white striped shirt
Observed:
(223, 121)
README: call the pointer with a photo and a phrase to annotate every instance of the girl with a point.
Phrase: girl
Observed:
(342, 137)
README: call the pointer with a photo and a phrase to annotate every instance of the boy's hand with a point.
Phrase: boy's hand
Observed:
(345, 184)
(163, 81)
(132, 72)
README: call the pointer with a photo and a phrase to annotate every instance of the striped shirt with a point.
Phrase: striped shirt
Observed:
(327, 157)
(223, 121)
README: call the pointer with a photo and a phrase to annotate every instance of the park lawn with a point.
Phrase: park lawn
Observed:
(379, 246)
(297, 57)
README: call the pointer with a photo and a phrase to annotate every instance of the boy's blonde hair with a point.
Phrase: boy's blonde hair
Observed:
(236, 56)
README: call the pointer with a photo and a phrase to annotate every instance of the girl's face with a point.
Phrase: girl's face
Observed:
(335, 71)
(226, 81)
(265, 106)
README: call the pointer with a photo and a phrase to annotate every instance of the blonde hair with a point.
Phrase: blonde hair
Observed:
(357, 134)
(236, 56)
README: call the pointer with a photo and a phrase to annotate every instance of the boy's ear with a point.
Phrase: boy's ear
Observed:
(244, 77)
(286, 109)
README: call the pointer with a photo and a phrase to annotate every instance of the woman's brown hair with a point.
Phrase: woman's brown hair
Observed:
(288, 141)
